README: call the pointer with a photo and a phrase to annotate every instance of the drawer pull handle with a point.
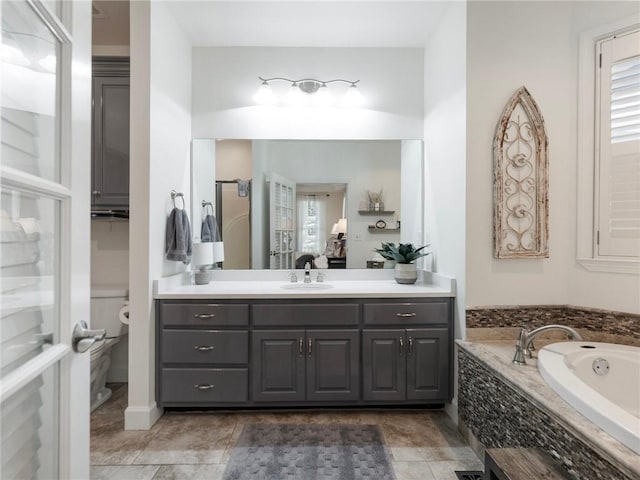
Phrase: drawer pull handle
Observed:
(405, 315)
(203, 387)
(204, 348)
(401, 346)
(410, 351)
(205, 315)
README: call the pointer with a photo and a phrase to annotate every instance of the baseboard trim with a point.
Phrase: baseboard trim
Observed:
(141, 418)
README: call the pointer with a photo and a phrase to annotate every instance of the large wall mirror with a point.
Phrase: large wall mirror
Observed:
(280, 204)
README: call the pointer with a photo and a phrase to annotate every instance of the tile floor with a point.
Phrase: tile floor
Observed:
(196, 445)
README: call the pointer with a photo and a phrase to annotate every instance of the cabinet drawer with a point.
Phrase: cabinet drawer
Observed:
(205, 385)
(406, 313)
(307, 314)
(205, 346)
(220, 314)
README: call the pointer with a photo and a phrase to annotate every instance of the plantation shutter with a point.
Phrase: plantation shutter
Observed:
(618, 183)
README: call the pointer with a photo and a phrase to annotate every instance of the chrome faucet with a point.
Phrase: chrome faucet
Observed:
(307, 273)
(524, 344)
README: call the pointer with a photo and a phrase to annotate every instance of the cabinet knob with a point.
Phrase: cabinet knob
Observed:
(96, 193)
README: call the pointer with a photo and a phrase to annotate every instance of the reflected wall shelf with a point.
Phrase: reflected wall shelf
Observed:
(376, 212)
(383, 230)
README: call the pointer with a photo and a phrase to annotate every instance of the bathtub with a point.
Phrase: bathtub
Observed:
(599, 380)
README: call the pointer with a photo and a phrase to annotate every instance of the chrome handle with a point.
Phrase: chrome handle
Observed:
(82, 338)
(410, 350)
(203, 387)
(401, 346)
(405, 315)
(205, 315)
(301, 346)
(96, 193)
(310, 350)
(204, 348)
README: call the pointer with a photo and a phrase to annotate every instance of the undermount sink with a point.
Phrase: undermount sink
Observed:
(306, 286)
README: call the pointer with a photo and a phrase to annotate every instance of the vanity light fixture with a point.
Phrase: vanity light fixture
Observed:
(308, 91)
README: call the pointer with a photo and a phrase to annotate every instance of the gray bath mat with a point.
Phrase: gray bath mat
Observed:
(309, 452)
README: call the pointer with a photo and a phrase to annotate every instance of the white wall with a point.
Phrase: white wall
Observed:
(110, 253)
(363, 165)
(533, 44)
(225, 79)
(160, 144)
(445, 155)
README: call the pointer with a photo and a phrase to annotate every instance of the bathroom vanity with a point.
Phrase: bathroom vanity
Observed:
(234, 344)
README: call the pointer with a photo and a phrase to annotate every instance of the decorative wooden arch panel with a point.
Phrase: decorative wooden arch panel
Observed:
(521, 182)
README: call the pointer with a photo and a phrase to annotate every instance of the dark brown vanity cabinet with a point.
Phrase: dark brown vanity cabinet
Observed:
(313, 365)
(290, 352)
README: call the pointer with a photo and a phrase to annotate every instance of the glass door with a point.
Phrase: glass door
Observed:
(44, 217)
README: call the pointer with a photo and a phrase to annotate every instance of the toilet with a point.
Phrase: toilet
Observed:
(108, 305)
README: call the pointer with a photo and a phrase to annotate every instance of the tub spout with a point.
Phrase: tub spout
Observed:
(525, 339)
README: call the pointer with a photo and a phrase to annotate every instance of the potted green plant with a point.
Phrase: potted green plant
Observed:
(386, 253)
(405, 254)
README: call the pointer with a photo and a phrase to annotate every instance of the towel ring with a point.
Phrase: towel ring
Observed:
(175, 194)
(206, 204)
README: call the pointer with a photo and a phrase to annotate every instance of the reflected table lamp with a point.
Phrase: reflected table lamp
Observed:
(205, 258)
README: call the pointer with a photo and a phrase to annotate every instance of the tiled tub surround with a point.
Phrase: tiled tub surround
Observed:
(504, 323)
(503, 405)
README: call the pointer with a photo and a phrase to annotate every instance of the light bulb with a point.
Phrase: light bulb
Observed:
(264, 95)
(294, 97)
(353, 98)
(323, 98)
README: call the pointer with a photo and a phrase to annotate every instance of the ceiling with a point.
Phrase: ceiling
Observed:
(307, 23)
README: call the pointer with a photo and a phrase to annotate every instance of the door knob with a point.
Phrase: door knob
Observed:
(83, 337)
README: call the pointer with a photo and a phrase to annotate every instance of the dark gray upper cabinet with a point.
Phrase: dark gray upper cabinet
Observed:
(333, 365)
(278, 365)
(110, 153)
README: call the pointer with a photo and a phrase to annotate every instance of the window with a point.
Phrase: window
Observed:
(618, 147)
(609, 149)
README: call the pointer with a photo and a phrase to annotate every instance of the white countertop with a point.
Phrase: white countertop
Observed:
(261, 284)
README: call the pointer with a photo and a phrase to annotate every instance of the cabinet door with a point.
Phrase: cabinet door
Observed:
(333, 365)
(277, 363)
(428, 364)
(384, 365)
(110, 142)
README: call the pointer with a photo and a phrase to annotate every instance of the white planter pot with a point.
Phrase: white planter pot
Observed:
(406, 273)
(389, 264)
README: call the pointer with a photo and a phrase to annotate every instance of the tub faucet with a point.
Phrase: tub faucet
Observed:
(307, 273)
(525, 339)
